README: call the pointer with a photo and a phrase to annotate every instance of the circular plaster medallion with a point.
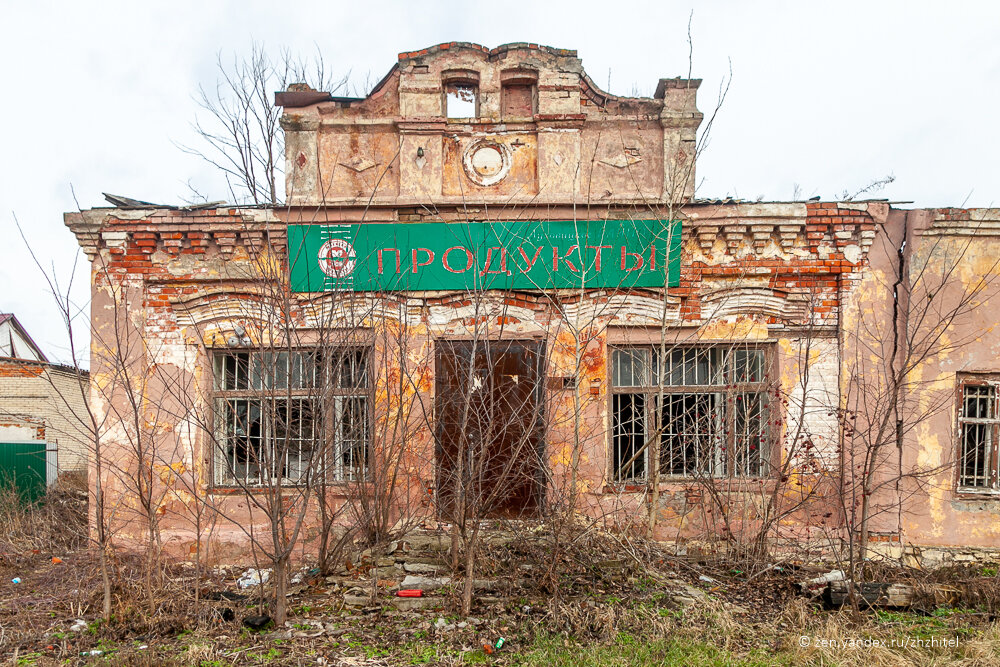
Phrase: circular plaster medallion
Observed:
(486, 162)
(337, 258)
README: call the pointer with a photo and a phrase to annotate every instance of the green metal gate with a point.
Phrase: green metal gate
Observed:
(23, 464)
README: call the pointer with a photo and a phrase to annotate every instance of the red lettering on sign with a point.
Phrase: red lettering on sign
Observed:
(530, 262)
(652, 257)
(470, 259)
(597, 257)
(382, 250)
(416, 264)
(489, 258)
(565, 258)
(638, 260)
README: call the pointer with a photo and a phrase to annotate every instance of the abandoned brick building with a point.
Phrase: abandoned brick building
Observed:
(494, 280)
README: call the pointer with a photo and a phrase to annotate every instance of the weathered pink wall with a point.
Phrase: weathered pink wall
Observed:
(793, 276)
(949, 255)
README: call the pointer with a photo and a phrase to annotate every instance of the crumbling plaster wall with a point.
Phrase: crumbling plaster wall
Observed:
(579, 144)
(769, 273)
(949, 254)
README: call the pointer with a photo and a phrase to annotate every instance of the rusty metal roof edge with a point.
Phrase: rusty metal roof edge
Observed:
(129, 204)
(51, 364)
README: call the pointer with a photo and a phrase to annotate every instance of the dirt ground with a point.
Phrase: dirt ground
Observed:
(620, 617)
(597, 599)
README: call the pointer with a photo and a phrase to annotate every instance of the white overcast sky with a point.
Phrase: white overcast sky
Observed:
(825, 96)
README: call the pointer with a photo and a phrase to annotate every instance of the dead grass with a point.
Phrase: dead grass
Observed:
(634, 623)
(57, 523)
(589, 598)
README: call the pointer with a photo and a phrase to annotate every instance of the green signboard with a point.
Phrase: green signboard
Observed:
(520, 254)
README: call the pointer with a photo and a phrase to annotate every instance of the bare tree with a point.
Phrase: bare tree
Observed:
(924, 299)
(92, 422)
(239, 125)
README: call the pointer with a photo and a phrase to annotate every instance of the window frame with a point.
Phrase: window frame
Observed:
(506, 90)
(460, 78)
(965, 381)
(518, 77)
(329, 398)
(650, 391)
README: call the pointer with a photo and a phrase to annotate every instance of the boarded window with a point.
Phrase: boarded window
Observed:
(707, 406)
(290, 416)
(518, 101)
(978, 420)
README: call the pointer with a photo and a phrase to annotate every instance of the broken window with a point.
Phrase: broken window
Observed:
(462, 99)
(706, 405)
(978, 420)
(290, 415)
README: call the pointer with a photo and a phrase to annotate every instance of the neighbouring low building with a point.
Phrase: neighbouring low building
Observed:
(43, 411)
(492, 290)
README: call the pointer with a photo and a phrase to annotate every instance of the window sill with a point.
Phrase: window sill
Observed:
(223, 490)
(972, 493)
(686, 483)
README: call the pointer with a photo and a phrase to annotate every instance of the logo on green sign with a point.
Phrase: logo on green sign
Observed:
(521, 254)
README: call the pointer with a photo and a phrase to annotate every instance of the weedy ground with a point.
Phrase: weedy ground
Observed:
(577, 614)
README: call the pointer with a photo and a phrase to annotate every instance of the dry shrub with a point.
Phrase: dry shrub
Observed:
(604, 622)
(57, 523)
(827, 632)
(52, 595)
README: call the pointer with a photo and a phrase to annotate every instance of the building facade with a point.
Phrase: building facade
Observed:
(492, 294)
(41, 402)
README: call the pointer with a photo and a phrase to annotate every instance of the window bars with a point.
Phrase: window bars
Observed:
(978, 420)
(707, 405)
(296, 416)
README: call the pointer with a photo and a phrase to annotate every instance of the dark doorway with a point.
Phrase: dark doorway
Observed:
(488, 423)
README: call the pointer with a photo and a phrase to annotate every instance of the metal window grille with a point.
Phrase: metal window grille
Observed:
(979, 420)
(291, 416)
(707, 405)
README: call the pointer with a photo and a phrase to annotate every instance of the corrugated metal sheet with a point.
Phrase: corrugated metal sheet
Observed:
(23, 464)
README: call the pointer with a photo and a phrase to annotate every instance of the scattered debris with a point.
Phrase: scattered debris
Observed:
(874, 594)
(410, 593)
(229, 596)
(442, 625)
(257, 622)
(79, 625)
(127, 203)
(424, 583)
(223, 615)
(254, 577)
(818, 584)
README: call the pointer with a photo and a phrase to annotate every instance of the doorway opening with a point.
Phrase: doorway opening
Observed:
(488, 408)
